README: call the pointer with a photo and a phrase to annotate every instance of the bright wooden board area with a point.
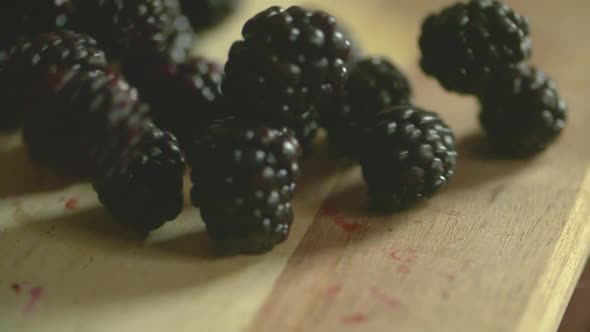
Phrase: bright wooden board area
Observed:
(500, 250)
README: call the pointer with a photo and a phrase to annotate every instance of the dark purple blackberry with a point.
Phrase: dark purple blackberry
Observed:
(289, 59)
(83, 121)
(132, 29)
(32, 58)
(10, 116)
(205, 14)
(140, 69)
(185, 98)
(244, 179)
(148, 192)
(409, 155)
(373, 85)
(463, 45)
(522, 112)
(30, 17)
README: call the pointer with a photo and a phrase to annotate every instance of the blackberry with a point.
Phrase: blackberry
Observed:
(148, 192)
(244, 177)
(410, 155)
(522, 112)
(288, 61)
(205, 14)
(374, 84)
(131, 29)
(185, 98)
(35, 55)
(140, 69)
(31, 58)
(83, 121)
(30, 17)
(465, 43)
(10, 117)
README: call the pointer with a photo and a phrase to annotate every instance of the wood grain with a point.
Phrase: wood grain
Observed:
(500, 250)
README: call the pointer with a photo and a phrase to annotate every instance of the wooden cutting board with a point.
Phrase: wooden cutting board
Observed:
(500, 250)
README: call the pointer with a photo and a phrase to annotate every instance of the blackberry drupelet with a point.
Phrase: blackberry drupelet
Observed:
(205, 14)
(244, 178)
(410, 155)
(131, 29)
(148, 192)
(83, 121)
(522, 112)
(464, 44)
(288, 61)
(373, 85)
(31, 58)
(30, 17)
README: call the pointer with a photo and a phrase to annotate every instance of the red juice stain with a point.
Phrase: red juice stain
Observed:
(351, 228)
(407, 257)
(451, 276)
(15, 287)
(72, 204)
(330, 212)
(386, 299)
(354, 318)
(395, 255)
(403, 269)
(347, 225)
(35, 295)
(333, 290)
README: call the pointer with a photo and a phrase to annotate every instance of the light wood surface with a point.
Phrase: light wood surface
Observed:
(500, 250)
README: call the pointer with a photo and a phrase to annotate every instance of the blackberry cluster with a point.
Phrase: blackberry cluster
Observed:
(204, 14)
(373, 85)
(136, 31)
(289, 59)
(411, 155)
(522, 112)
(30, 17)
(463, 45)
(244, 180)
(83, 121)
(32, 58)
(185, 98)
(147, 192)
(479, 48)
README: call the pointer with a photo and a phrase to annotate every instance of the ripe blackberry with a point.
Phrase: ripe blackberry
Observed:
(139, 69)
(205, 14)
(289, 59)
(10, 117)
(83, 121)
(465, 43)
(148, 192)
(522, 112)
(185, 98)
(411, 156)
(131, 29)
(30, 17)
(31, 58)
(244, 178)
(373, 85)
(34, 56)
